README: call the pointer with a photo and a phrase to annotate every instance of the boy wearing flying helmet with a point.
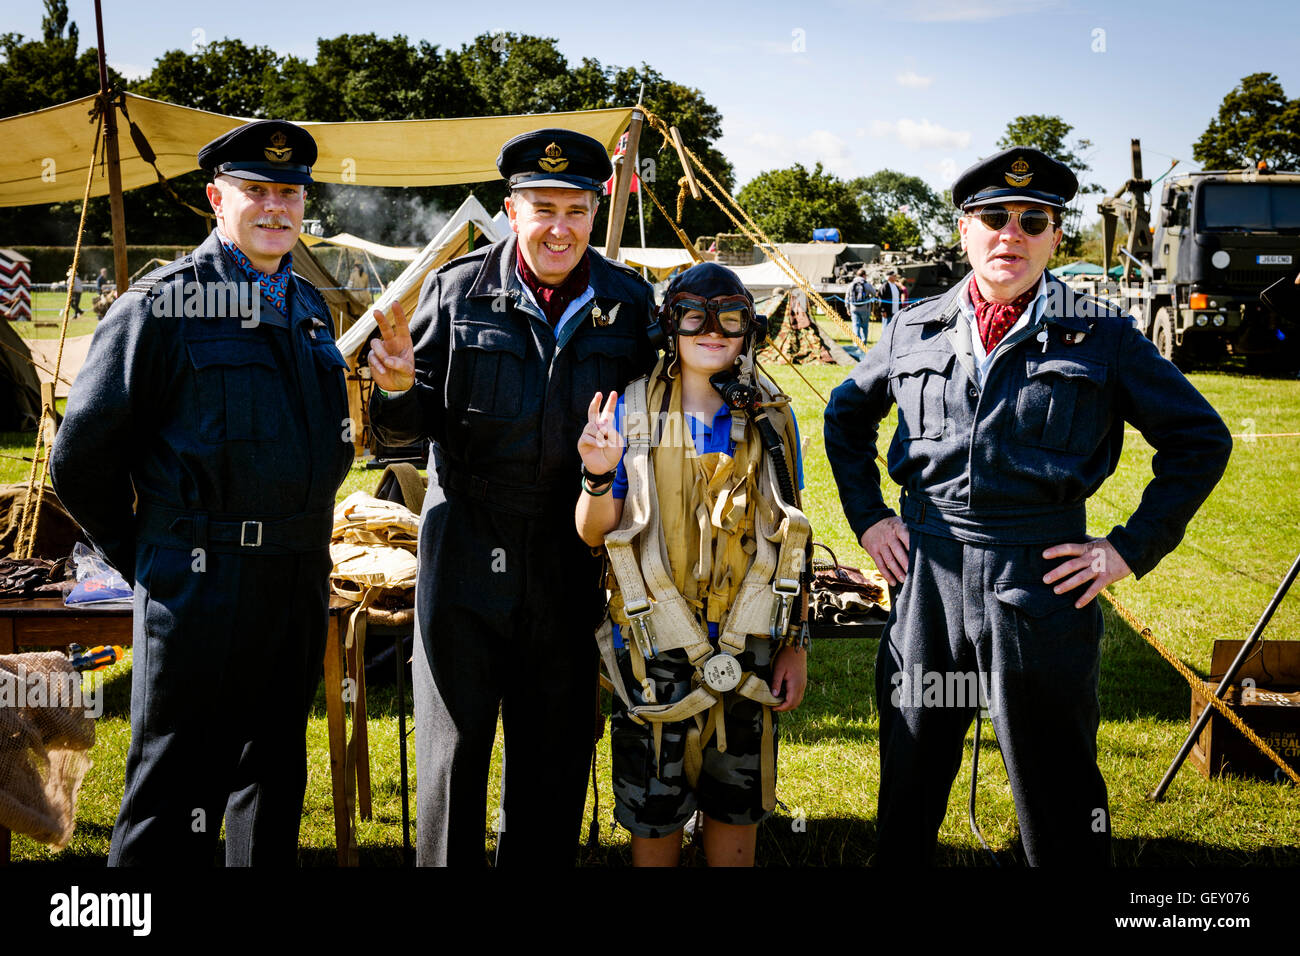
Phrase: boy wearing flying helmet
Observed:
(698, 463)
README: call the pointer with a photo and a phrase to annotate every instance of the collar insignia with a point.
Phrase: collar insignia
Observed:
(1019, 175)
(553, 161)
(277, 152)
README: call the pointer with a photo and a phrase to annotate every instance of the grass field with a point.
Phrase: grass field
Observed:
(1213, 586)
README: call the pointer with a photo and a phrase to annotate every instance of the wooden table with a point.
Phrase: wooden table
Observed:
(47, 622)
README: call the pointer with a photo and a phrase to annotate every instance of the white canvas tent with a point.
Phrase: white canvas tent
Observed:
(469, 227)
(659, 261)
(378, 250)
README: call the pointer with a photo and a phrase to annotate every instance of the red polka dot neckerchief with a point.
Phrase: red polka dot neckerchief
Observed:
(993, 318)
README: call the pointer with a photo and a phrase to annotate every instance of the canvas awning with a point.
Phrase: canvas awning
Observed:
(47, 152)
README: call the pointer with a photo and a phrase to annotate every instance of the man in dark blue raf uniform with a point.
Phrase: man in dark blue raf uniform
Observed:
(510, 344)
(1012, 394)
(213, 390)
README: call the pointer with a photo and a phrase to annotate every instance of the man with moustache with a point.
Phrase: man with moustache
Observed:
(498, 367)
(1012, 395)
(213, 393)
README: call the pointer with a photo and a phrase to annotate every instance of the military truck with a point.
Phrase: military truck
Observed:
(1193, 280)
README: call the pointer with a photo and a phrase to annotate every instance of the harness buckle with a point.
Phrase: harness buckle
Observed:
(785, 589)
(639, 617)
(243, 534)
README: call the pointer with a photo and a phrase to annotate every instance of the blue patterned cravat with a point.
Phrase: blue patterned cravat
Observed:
(275, 288)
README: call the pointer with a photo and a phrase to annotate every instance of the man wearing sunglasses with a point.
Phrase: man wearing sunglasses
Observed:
(1012, 396)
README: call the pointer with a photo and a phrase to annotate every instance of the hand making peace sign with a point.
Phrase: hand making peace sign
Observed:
(392, 361)
(600, 444)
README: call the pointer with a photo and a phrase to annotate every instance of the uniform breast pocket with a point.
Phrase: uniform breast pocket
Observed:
(332, 371)
(600, 363)
(919, 382)
(1060, 405)
(486, 370)
(238, 389)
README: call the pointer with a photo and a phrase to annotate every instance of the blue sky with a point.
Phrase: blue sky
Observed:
(925, 87)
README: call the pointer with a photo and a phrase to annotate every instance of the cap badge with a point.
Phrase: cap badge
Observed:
(553, 161)
(1019, 175)
(277, 152)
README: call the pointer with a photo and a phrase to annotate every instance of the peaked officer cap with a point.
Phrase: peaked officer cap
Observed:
(1018, 174)
(557, 158)
(268, 151)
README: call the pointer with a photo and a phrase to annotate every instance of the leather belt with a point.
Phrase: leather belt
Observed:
(1028, 525)
(231, 534)
(529, 501)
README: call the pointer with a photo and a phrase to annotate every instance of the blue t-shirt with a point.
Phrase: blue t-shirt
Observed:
(714, 437)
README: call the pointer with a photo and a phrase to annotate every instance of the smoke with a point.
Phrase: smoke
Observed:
(393, 216)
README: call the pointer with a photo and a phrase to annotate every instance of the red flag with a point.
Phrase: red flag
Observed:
(620, 150)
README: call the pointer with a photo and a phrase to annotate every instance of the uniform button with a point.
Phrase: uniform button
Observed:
(974, 392)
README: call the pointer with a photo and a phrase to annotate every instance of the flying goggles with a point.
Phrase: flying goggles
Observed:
(729, 315)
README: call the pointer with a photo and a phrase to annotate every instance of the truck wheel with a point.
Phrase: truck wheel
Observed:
(1163, 336)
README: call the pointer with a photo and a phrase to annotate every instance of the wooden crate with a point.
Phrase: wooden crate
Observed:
(1266, 695)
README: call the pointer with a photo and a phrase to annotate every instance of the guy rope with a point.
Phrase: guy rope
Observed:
(29, 517)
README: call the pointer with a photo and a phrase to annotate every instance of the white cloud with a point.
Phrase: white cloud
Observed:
(132, 72)
(818, 146)
(753, 152)
(921, 134)
(949, 11)
(914, 80)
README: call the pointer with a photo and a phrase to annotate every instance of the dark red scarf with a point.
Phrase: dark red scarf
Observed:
(995, 319)
(555, 299)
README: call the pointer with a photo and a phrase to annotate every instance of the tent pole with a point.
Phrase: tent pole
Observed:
(622, 184)
(640, 200)
(121, 276)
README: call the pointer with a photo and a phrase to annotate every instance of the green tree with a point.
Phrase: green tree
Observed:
(1051, 135)
(901, 210)
(1256, 122)
(35, 74)
(224, 76)
(789, 203)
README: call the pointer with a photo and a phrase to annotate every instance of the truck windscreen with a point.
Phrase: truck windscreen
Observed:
(1250, 206)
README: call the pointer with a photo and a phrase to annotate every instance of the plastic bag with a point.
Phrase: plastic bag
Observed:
(97, 583)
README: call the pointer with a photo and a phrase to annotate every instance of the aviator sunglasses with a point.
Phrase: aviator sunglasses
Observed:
(1033, 222)
(728, 315)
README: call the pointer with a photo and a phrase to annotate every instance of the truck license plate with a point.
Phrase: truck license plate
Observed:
(1273, 260)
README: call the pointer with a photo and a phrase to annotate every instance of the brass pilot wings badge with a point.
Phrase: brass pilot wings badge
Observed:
(277, 152)
(1019, 175)
(553, 161)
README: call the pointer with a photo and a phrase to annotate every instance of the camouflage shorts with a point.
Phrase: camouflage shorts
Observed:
(655, 802)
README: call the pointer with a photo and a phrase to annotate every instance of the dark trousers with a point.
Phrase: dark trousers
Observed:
(225, 667)
(968, 617)
(505, 612)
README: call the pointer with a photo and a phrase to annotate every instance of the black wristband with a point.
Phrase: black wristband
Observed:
(595, 479)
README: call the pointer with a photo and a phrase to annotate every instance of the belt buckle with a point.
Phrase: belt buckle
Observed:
(722, 672)
(243, 535)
